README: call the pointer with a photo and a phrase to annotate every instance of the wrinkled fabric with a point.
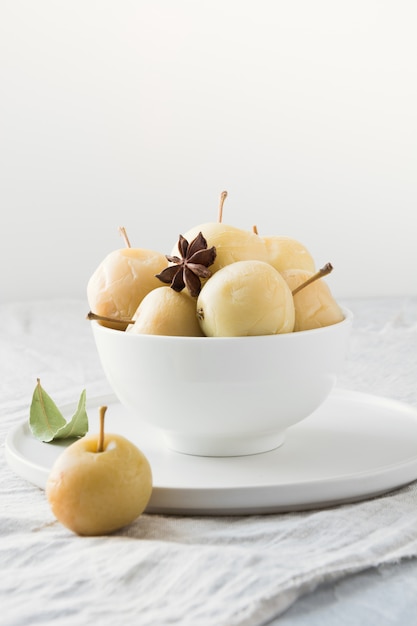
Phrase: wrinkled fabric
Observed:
(192, 571)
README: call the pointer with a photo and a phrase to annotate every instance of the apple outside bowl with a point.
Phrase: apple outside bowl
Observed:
(223, 396)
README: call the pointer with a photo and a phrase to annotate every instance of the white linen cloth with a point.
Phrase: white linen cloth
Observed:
(192, 571)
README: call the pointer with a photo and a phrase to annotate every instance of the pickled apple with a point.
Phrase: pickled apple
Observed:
(286, 253)
(164, 311)
(314, 304)
(245, 298)
(121, 281)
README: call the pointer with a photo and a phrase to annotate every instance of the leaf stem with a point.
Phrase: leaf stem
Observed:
(103, 318)
(102, 413)
(223, 197)
(326, 269)
(122, 231)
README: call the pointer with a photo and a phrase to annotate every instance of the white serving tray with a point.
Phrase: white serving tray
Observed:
(353, 447)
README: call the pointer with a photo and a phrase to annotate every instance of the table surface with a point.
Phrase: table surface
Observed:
(351, 564)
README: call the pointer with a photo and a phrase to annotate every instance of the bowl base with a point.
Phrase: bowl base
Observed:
(206, 445)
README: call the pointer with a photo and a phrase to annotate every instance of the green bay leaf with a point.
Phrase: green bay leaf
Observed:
(77, 426)
(45, 419)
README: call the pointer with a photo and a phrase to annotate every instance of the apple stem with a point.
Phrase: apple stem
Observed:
(322, 272)
(122, 231)
(223, 197)
(102, 412)
(255, 229)
(103, 318)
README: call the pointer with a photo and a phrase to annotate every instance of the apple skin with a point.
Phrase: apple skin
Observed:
(232, 244)
(285, 253)
(121, 281)
(245, 298)
(314, 305)
(96, 493)
(164, 311)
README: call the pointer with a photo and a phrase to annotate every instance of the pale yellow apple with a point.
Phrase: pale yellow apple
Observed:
(314, 305)
(232, 244)
(245, 298)
(164, 311)
(96, 493)
(121, 281)
(286, 253)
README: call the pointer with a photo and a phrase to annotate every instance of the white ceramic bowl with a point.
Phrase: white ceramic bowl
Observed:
(223, 396)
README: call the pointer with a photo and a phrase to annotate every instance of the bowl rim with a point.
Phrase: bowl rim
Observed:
(105, 330)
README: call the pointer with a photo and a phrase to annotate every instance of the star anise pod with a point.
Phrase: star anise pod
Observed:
(188, 270)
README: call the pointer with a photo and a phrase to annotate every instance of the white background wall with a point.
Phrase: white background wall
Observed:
(139, 113)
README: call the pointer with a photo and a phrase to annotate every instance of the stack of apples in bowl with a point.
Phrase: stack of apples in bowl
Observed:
(223, 344)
